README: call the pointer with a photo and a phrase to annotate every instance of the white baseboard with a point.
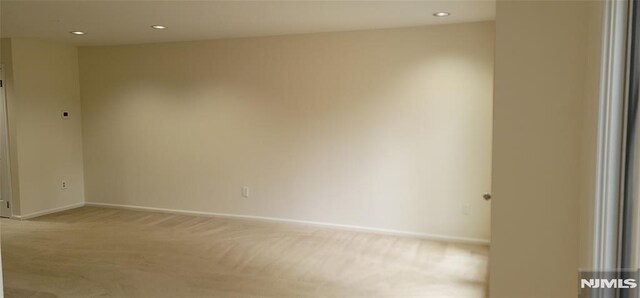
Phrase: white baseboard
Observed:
(48, 211)
(294, 221)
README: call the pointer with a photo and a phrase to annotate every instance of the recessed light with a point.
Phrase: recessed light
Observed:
(159, 27)
(441, 14)
(77, 32)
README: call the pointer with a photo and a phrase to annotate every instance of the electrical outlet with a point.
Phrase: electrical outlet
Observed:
(64, 185)
(466, 209)
(245, 191)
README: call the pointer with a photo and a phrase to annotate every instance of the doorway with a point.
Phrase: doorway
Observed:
(5, 173)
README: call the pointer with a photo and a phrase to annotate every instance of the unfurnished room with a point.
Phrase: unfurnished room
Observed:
(298, 148)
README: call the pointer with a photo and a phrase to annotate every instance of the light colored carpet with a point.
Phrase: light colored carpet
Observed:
(96, 252)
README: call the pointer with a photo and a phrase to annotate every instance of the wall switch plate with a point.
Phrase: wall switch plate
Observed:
(65, 114)
(64, 185)
(245, 191)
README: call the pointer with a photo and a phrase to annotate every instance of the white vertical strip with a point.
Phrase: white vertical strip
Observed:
(610, 128)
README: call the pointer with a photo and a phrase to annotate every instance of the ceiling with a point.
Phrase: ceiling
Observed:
(128, 22)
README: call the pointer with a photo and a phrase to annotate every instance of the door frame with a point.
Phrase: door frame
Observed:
(5, 168)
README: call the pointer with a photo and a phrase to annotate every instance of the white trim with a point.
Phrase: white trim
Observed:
(295, 221)
(48, 211)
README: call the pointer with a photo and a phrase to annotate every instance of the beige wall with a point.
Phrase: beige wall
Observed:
(544, 135)
(386, 129)
(45, 149)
